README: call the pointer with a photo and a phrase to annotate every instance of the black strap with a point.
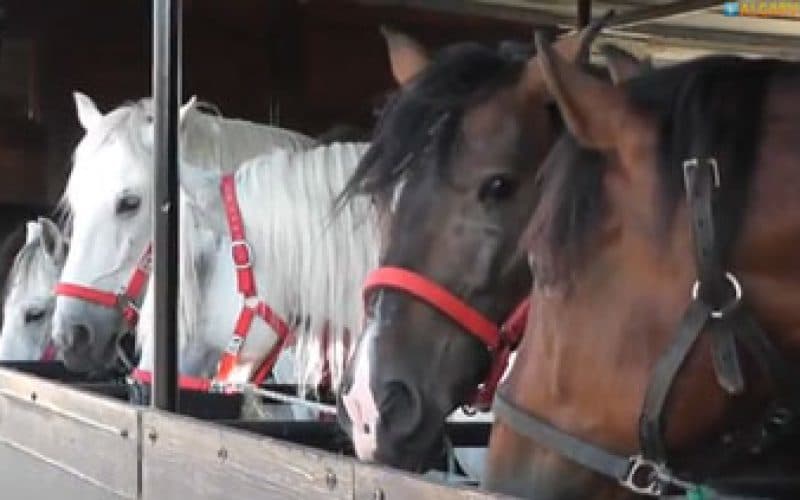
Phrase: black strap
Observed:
(587, 455)
(651, 422)
(727, 324)
(702, 180)
(785, 378)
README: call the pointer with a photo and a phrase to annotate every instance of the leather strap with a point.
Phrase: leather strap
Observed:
(99, 297)
(246, 285)
(728, 323)
(438, 297)
(126, 301)
(651, 423)
(500, 340)
(240, 249)
(582, 453)
(702, 181)
(511, 333)
(251, 308)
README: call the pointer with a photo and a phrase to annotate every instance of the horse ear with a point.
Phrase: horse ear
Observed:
(53, 242)
(623, 65)
(88, 114)
(185, 109)
(407, 57)
(592, 109)
(33, 231)
(575, 47)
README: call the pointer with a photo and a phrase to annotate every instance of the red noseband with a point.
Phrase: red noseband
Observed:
(125, 301)
(501, 339)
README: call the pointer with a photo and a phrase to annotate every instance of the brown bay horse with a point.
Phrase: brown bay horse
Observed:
(455, 154)
(664, 341)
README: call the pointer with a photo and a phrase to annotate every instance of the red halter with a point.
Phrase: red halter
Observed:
(252, 307)
(125, 301)
(500, 340)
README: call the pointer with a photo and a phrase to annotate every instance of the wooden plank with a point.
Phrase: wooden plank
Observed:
(187, 458)
(381, 483)
(25, 476)
(90, 437)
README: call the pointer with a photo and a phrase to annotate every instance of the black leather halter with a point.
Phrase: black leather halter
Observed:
(717, 308)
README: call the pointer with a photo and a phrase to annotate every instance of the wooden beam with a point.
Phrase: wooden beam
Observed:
(533, 16)
(668, 45)
(649, 14)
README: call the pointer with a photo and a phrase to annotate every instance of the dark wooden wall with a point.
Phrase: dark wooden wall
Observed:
(306, 65)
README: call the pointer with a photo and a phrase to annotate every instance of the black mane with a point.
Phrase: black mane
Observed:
(424, 115)
(707, 107)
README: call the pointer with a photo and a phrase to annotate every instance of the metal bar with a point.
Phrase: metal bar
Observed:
(323, 408)
(584, 13)
(166, 95)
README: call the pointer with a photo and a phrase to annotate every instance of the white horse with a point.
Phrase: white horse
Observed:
(29, 299)
(307, 262)
(109, 197)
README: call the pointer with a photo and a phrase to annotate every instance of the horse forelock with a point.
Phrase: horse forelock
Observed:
(124, 126)
(30, 267)
(423, 117)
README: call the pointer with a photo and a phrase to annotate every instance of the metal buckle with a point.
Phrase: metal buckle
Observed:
(125, 303)
(737, 298)
(695, 163)
(643, 477)
(248, 251)
(235, 344)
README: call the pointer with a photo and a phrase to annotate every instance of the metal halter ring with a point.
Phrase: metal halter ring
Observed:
(249, 251)
(643, 477)
(711, 162)
(737, 290)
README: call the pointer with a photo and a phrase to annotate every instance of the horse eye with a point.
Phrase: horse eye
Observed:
(128, 203)
(497, 188)
(33, 315)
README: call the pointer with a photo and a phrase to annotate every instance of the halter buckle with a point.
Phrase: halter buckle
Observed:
(235, 344)
(248, 252)
(695, 163)
(643, 477)
(730, 306)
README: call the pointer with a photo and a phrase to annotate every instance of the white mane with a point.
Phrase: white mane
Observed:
(309, 262)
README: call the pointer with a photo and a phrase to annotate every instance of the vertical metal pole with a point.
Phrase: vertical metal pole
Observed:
(166, 95)
(584, 13)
